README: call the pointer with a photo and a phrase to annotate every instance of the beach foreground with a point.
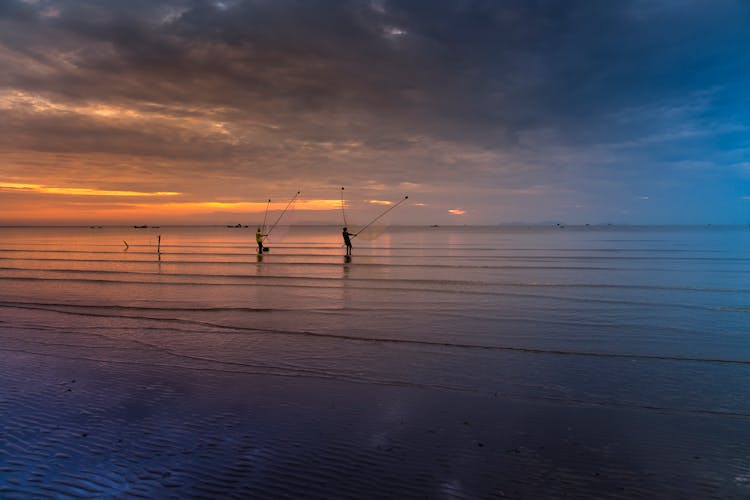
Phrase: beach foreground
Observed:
(455, 363)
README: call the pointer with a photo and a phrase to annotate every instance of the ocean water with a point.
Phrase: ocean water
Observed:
(447, 362)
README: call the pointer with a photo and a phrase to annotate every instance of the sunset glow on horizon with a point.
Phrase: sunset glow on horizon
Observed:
(58, 207)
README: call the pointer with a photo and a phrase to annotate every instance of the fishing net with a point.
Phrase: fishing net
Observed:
(278, 229)
(378, 225)
(374, 230)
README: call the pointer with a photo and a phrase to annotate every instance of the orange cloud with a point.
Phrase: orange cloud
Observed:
(457, 211)
(38, 188)
(380, 202)
(239, 206)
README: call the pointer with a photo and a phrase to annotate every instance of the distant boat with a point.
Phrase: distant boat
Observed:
(140, 227)
(434, 225)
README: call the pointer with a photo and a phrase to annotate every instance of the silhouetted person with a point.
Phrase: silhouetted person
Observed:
(259, 238)
(347, 241)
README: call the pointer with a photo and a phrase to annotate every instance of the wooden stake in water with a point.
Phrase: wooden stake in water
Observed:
(158, 244)
(126, 244)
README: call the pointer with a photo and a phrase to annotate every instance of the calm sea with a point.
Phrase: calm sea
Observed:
(649, 320)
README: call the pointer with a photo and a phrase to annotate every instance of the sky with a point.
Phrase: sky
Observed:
(481, 112)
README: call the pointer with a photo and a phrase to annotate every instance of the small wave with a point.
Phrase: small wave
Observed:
(332, 261)
(404, 252)
(138, 308)
(529, 284)
(442, 290)
(354, 338)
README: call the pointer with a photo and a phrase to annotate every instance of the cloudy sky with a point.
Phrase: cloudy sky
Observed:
(483, 112)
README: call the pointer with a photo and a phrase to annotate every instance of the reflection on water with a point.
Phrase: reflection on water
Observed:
(670, 292)
(646, 325)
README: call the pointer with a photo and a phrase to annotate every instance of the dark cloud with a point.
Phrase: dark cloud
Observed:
(433, 65)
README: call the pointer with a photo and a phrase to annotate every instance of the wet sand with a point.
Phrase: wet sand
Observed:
(81, 427)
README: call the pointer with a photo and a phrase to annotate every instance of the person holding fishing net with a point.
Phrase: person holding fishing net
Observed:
(259, 237)
(345, 231)
(347, 240)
